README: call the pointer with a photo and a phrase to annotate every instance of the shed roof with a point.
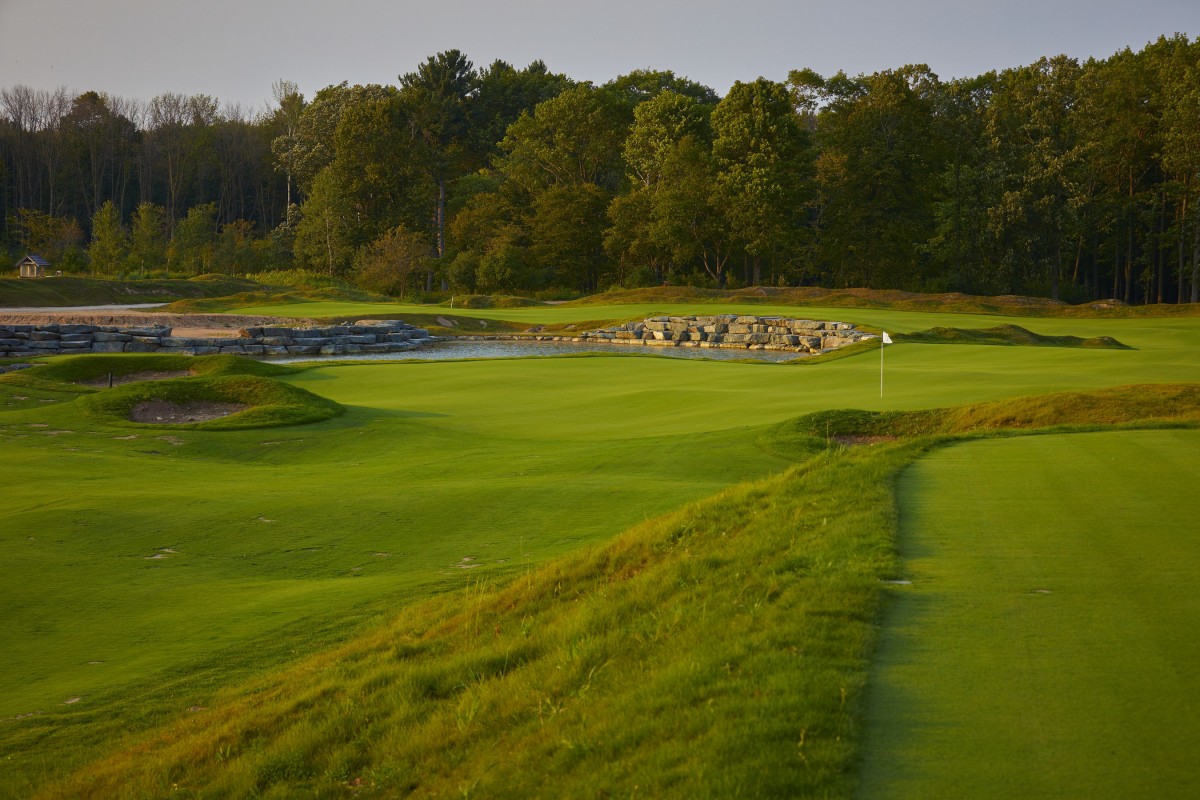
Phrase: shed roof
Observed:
(38, 260)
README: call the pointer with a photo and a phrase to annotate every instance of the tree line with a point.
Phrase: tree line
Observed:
(1061, 178)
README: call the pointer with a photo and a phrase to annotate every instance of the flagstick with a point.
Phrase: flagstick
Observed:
(881, 346)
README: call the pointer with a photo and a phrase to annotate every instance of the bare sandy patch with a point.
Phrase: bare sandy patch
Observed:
(856, 441)
(166, 413)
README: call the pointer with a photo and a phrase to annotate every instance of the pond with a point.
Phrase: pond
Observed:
(459, 349)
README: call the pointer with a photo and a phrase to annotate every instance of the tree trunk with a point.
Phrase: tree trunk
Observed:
(1159, 258)
(1183, 209)
(1095, 253)
(441, 227)
(1129, 244)
(1117, 263)
(1195, 296)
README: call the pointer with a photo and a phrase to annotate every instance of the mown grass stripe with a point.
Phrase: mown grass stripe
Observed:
(1045, 648)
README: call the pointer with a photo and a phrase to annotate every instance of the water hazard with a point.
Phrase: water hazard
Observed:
(463, 349)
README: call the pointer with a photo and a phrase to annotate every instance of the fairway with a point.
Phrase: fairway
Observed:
(1046, 647)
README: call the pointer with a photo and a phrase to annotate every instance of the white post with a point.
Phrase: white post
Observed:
(884, 341)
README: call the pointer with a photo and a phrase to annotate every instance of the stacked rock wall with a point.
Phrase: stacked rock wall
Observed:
(368, 336)
(731, 331)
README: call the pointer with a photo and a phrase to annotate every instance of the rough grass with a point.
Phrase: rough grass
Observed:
(1121, 405)
(745, 620)
(271, 403)
(68, 373)
(1006, 335)
(73, 291)
(73, 369)
(258, 295)
(894, 299)
(491, 301)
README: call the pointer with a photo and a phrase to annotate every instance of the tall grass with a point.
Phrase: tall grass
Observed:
(720, 650)
(298, 279)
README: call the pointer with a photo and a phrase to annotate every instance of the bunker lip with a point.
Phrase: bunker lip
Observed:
(164, 412)
(133, 377)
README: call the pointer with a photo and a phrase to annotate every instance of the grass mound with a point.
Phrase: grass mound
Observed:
(1122, 405)
(84, 368)
(1006, 335)
(259, 296)
(892, 299)
(268, 403)
(71, 291)
(494, 301)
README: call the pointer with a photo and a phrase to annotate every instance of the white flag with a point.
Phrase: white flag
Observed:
(886, 339)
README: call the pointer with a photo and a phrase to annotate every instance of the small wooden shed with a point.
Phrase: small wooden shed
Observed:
(32, 267)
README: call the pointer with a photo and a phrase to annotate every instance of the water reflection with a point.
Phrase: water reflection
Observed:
(458, 349)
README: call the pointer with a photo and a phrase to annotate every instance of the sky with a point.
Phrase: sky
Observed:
(235, 49)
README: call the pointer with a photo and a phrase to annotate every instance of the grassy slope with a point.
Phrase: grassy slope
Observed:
(1082, 608)
(612, 440)
(743, 628)
(90, 291)
(746, 622)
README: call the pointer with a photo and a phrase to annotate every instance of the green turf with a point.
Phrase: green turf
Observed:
(288, 539)
(1152, 333)
(549, 452)
(1046, 646)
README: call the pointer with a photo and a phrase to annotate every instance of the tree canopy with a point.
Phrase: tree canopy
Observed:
(1064, 178)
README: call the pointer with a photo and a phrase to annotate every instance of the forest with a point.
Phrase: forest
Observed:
(1065, 179)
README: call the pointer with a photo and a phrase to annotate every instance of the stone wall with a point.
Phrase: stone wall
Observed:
(729, 331)
(366, 336)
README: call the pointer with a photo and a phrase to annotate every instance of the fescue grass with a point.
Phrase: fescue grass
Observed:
(1006, 335)
(1045, 648)
(744, 620)
(74, 369)
(258, 295)
(75, 291)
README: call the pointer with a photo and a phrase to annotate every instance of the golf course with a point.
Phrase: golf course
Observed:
(943, 569)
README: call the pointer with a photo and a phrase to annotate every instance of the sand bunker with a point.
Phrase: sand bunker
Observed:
(162, 412)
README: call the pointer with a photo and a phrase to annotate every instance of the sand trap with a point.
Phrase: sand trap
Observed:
(163, 412)
(856, 441)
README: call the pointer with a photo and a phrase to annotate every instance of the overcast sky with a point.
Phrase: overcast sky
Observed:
(235, 49)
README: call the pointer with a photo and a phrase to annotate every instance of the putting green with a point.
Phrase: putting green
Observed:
(1046, 647)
